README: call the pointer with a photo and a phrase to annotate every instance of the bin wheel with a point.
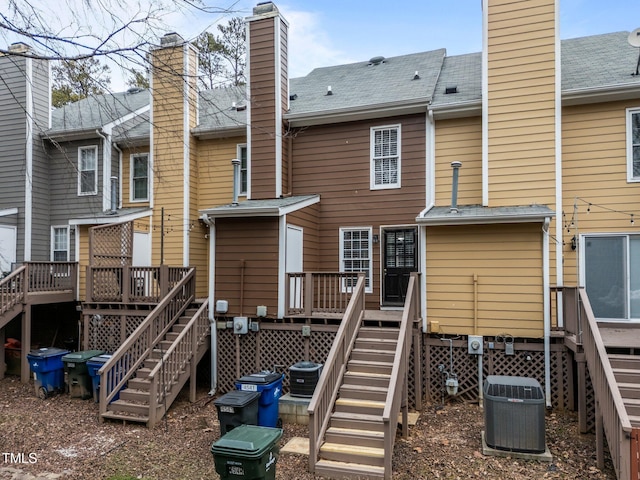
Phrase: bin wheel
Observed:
(42, 393)
(279, 423)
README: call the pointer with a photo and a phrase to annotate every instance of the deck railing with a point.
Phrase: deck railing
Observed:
(12, 289)
(316, 293)
(330, 380)
(122, 365)
(176, 360)
(127, 284)
(609, 404)
(397, 395)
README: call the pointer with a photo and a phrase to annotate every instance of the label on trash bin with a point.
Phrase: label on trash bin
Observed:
(226, 409)
(71, 365)
(235, 470)
(249, 387)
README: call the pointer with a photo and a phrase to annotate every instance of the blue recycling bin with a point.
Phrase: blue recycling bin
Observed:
(48, 370)
(94, 365)
(269, 385)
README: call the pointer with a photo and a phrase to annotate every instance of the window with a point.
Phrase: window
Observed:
(87, 170)
(244, 169)
(612, 275)
(355, 253)
(633, 145)
(60, 244)
(385, 157)
(140, 177)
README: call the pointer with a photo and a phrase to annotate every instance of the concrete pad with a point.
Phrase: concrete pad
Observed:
(297, 445)
(541, 457)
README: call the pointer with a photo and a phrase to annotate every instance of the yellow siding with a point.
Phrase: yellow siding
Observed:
(459, 140)
(215, 179)
(507, 260)
(82, 231)
(595, 171)
(521, 104)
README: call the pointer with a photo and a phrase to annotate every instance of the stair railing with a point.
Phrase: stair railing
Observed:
(176, 360)
(609, 404)
(397, 395)
(12, 289)
(123, 364)
(333, 370)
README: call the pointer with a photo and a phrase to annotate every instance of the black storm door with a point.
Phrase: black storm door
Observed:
(400, 258)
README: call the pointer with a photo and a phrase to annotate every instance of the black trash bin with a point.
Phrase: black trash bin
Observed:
(237, 408)
(78, 378)
(247, 452)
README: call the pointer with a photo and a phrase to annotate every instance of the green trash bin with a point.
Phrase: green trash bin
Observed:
(77, 373)
(247, 452)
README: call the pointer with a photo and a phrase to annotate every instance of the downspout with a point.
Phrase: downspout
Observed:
(120, 172)
(106, 170)
(546, 309)
(212, 286)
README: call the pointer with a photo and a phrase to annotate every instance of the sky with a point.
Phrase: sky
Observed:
(331, 32)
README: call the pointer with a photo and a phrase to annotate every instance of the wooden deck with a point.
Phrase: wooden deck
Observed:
(620, 335)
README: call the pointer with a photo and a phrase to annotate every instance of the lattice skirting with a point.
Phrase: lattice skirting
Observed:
(108, 332)
(440, 357)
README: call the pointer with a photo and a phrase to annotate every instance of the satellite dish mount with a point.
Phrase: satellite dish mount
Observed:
(634, 41)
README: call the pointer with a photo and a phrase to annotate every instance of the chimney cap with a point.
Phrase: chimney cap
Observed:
(171, 38)
(19, 47)
(264, 7)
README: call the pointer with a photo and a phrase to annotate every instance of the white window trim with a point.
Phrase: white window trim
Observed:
(95, 183)
(53, 239)
(372, 172)
(239, 147)
(630, 113)
(132, 199)
(368, 289)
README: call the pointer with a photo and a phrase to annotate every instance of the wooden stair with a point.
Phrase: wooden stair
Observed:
(134, 400)
(626, 369)
(354, 440)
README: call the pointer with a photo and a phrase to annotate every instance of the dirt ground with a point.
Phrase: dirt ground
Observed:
(63, 435)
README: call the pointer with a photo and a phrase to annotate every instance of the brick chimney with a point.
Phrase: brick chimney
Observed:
(268, 93)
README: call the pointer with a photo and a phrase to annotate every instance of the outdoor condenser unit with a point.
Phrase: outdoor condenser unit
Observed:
(514, 414)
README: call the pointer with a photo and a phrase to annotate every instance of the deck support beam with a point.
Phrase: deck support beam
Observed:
(26, 344)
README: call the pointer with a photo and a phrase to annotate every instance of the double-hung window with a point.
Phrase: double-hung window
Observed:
(612, 275)
(385, 157)
(244, 169)
(356, 254)
(60, 244)
(633, 145)
(140, 177)
(88, 170)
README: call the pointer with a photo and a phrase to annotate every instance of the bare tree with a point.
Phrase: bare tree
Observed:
(74, 80)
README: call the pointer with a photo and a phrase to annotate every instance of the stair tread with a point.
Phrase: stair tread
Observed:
(353, 449)
(364, 388)
(359, 403)
(631, 401)
(371, 362)
(628, 385)
(120, 416)
(356, 431)
(357, 416)
(623, 356)
(367, 374)
(374, 350)
(625, 370)
(356, 468)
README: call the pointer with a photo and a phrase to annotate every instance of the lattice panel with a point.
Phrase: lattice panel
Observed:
(133, 322)
(464, 366)
(278, 347)
(247, 354)
(412, 379)
(226, 361)
(319, 345)
(590, 400)
(105, 333)
(111, 245)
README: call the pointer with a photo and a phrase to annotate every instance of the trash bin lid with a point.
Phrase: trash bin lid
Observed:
(247, 441)
(99, 359)
(82, 356)
(47, 352)
(236, 398)
(260, 378)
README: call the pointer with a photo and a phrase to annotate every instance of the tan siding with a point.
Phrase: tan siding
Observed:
(308, 219)
(215, 172)
(521, 103)
(334, 161)
(595, 171)
(83, 260)
(255, 241)
(459, 140)
(507, 260)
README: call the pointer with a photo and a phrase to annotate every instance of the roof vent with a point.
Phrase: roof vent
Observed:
(450, 90)
(416, 76)
(293, 96)
(329, 91)
(376, 60)
(133, 90)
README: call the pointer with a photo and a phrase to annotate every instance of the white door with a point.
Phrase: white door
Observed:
(7, 248)
(142, 258)
(294, 264)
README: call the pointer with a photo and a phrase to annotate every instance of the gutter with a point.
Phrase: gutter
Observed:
(579, 96)
(546, 302)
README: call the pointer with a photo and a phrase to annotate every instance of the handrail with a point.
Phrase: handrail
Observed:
(176, 359)
(333, 370)
(616, 422)
(309, 293)
(12, 289)
(397, 397)
(129, 357)
(51, 276)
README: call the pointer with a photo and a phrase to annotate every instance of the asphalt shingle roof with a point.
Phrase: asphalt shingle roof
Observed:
(463, 72)
(217, 111)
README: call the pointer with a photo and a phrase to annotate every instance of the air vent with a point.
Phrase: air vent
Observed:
(376, 60)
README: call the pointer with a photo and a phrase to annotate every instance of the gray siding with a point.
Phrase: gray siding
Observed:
(63, 178)
(13, 139)
(41, 233)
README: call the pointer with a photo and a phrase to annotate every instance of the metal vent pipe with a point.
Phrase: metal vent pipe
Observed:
(454, 188)
(236, 181)
(114, 194)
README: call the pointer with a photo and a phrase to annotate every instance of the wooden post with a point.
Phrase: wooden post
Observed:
(417, 367)
(26, 344)
(308, 294)
(2, 340)
(89, 284)
(193, 364)
(582, 393)
(599, 438)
